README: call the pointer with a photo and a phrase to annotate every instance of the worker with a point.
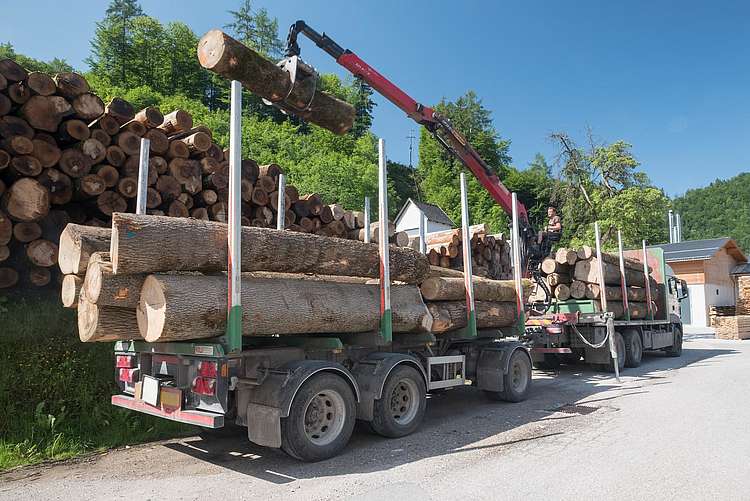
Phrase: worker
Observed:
(553, 230)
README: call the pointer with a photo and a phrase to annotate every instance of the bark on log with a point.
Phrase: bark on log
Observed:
(78, 243)
(104, 288)
(120, 110)
(12, 71)
(637, 310)
(175, 122)
(148, 244)
(587, 252)
(177, 307)
(70, 290)
(26, 200)
(105, 323)
(197, 143)
(587, 271)
(593, 291)
(452, 289)
(150, 117)
(451, 315)
(231, 59)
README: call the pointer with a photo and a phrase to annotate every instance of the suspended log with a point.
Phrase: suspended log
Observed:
(71, 290)
(149, 244)
(233, 60)
(78, 243)
(106, 289)
(105, 323)
(178, 307)
(451, 315)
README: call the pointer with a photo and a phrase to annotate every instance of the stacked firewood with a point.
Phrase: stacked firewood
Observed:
(490, 254)
(573, 274)
(154, 277)
(65, 156)
(743, 295)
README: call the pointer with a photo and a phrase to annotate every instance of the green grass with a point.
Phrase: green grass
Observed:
(55, 391)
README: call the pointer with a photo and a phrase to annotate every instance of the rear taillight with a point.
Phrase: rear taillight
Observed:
(204, 386)
(207, 369)
(124, 362)
(128, 375)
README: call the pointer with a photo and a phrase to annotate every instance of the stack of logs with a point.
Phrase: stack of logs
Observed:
(490, 254)
(733, 322)
(573, 274)
(155, 278)
(66, 157)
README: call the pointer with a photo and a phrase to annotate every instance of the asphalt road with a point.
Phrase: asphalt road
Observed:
(673, 429)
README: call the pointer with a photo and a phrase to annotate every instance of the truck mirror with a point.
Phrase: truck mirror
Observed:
(683, 290)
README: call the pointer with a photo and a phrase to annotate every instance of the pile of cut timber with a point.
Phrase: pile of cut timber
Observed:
(154, 277)
(490, 254)
(65, 157)
(732, 327)
(574, 274)
(743, 295)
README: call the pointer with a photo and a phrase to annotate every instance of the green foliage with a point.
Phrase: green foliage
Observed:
(55, 391)
(55, 66)
(439, 171)
(112, 53)
(721, 209)
(256, 29)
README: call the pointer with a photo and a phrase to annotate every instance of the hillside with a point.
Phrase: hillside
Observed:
(720, 209)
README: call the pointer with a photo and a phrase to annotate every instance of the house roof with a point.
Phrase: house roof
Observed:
(697, 250)
(741, 269)
(433, 212)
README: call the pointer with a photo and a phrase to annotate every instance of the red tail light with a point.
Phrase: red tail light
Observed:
(124, 362)
(128, 375)
(204, 386)
(207, 369)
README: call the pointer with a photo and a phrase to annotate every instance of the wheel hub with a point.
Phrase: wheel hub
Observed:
(324, 417)
(404, 401)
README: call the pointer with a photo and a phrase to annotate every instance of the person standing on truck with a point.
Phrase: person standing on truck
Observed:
(553, 231)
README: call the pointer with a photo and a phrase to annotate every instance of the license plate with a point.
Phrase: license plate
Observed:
(150, 390)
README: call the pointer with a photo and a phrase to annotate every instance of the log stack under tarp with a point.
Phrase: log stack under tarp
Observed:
(574, 274)
(161, 279)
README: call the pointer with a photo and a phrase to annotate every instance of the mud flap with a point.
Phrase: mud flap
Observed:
(264, 425)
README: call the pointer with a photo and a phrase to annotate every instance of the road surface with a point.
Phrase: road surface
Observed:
(673, 429)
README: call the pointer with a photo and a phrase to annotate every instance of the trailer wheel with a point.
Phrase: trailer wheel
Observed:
(676, 349)
(621, 354)
(401, 409)
(321, 419)
(517, 383)
(633, 348)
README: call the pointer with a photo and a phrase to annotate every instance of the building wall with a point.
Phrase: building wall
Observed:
(698, 308)
(409, 222)
(720, 287)
(691, 272)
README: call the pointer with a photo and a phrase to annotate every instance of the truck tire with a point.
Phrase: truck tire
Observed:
(633, 348)
(676, 349)
(621, 355)
(401, 408)
(517, 382)
(550, 362)
(321, 419)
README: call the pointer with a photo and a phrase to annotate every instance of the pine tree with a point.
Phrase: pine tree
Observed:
(111, 48)
(363, 105)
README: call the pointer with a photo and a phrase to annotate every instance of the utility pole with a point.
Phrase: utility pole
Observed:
(411, 137)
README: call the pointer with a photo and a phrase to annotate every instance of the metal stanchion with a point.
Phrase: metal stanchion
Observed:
(386, 316)
(280, 210)
(422, 233)
(603, 299)
(140, 201)
(471, 317)
(623, 281)
(234, 306)
(367, 220)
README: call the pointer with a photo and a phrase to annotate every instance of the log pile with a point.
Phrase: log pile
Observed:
(732, 327)
(65, 156)
(160, 278)
(743, 295)
(574, 274)
(490, 254)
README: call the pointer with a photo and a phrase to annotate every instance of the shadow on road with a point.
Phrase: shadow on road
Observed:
(455, 420)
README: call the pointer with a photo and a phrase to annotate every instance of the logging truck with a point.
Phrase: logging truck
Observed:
(640, 318)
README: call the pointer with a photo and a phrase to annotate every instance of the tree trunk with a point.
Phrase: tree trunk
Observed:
(178, 307)
(562, 292)
(554, 279)
(150, 117)
(638, 294)
(41, 83)
(120, 110)
(47, 154)
(110, 202)
(106, 289)
(87, 106)
(452, 289)
(578, 289)
(45, 113)
(587, 252)
(550, 265)
(175, 122)
(77, 243)
(231, 59)
(105, 323)
(149, 244)
(26, 200)
(198, 142)
(12, 71)
(451, 315)
(70, 85)
(588, 271)
(566, 256)
(71, 290)
(637, 310)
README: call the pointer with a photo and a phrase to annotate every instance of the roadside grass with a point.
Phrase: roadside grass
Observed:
(55, 391)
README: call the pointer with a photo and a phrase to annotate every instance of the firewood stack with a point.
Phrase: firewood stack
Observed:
(573, 274)
(155, 278)
(490, 254)
(65, 157)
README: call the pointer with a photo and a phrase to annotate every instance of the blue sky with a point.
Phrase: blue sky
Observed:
(670, 77)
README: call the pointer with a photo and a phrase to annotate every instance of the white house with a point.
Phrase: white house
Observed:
(408, 218)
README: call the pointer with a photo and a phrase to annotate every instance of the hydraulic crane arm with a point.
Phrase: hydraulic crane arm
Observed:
(438, 125)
